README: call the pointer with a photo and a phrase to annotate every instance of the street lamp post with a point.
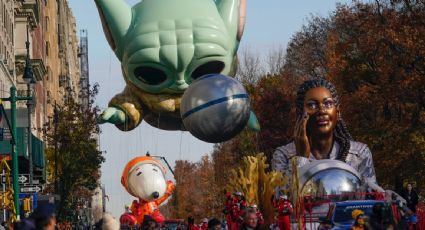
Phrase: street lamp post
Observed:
(29, 80)
(13, 131)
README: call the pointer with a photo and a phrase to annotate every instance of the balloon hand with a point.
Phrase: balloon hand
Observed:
(112, 115)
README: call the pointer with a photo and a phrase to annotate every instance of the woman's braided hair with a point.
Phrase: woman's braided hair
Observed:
(341, 134)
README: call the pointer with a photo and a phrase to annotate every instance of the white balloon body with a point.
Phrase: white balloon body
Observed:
(147, 182)
(215, 108)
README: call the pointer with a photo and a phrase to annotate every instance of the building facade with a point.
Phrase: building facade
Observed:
(69, 76)
(54, 53)
(7, 57)
(49, 29)
(53, 65)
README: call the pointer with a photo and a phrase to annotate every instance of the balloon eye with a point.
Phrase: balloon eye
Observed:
(208, 68)
(138, 174)
(149, 75)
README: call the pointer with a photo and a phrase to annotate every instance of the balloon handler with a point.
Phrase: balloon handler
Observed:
(284, 209)
(144, 178)
(235, 206)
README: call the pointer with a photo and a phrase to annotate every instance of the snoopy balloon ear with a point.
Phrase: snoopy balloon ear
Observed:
(116, 19)
(123, 181)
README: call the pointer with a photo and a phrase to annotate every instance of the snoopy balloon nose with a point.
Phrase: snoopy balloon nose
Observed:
(155, 195)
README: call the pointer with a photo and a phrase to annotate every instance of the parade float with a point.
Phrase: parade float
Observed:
(316, 191)
(257, 184)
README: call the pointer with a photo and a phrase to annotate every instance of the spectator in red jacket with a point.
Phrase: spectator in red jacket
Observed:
(191, 224)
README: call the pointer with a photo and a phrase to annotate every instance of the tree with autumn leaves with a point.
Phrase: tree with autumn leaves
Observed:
(375, 55)
(196, 193)
(73, 157)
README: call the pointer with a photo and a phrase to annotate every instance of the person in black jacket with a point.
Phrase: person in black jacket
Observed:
(411, 197)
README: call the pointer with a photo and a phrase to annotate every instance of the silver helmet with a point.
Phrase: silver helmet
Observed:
(332, 180)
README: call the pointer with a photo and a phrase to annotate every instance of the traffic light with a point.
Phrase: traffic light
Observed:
(27, 204)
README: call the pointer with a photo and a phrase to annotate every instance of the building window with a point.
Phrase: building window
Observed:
(46, 26)
(59, 41)
(47, 48)
(10, 32)
(49, 74)
(49, 97)
(4, 16)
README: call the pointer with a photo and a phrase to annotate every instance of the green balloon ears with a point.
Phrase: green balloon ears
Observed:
(117, 15)
(116, 19)
(233, 13)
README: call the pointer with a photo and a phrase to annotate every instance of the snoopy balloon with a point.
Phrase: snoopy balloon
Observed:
(144, 178)
(164, 45)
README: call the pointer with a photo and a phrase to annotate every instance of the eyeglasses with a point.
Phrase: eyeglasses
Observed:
(328, 103)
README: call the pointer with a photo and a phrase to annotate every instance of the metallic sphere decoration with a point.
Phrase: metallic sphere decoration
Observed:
(331, 180)
(215, 108)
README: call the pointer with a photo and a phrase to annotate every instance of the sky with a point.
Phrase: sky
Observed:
(269, 24)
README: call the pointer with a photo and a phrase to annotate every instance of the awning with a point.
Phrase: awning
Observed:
(21, 145)
(38, 147)
(38, 157)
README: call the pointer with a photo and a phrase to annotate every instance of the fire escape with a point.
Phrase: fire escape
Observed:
(84, 69)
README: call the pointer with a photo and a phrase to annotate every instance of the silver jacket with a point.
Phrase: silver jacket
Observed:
(359, 157)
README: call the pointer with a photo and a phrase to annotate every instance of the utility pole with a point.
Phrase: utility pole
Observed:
(29, 80)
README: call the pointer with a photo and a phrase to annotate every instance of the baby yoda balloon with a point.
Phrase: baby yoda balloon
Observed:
(164, 45)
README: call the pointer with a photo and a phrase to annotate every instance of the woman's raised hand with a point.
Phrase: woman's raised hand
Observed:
(300, 136)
